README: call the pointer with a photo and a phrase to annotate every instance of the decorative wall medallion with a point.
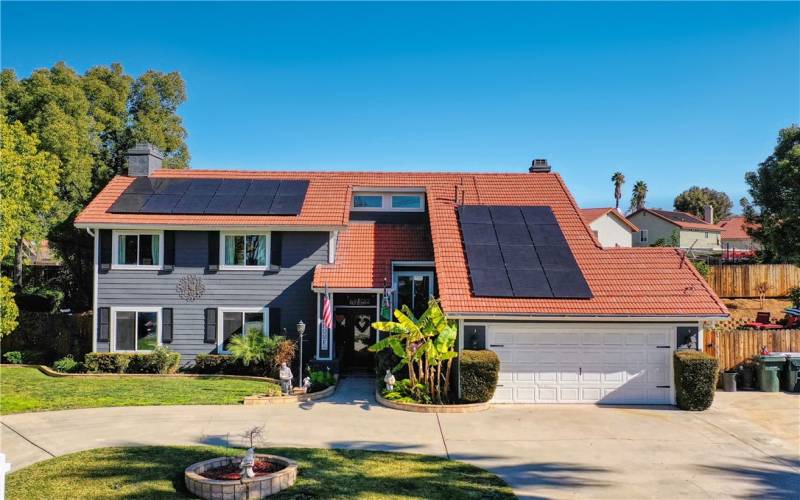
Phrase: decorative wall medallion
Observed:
(190, 287)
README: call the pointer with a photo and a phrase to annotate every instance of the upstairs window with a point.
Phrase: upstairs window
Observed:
(135, 250)
(389, 202)
(244, 251)
(643, 236)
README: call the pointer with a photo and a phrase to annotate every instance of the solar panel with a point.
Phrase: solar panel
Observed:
(478, 234)
(192, 204)
(512, 234)
(212, 196)
(204, 186)
(160, 204)
(474, 214)
(128, 203)
(490, 283)
(223, 204)
(506, 215)
(530, 283)
(484, 257)
(533, 261)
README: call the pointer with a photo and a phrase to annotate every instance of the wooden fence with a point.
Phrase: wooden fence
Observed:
(743, 280)
(732, 347)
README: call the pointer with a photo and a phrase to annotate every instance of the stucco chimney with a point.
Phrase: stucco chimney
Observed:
(708, 214)
(539, 165)
(143, 160)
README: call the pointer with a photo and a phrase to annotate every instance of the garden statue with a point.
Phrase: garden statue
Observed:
(306, 384)
(389, 380)
(285, 375)
(248, 462)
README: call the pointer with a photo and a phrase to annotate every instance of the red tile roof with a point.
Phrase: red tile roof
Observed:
(592, 214)
(681, 219)
(365, 252)
(624, 281)
(735, 228)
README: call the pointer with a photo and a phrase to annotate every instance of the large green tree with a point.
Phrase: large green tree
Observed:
(775, 192)
(638, 196)
(618, 179)
(88, 122)
(694, 200)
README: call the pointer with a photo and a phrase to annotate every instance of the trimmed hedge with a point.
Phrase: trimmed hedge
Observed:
(695, 379)
(161, 360)
(224, 364)
(478, 375)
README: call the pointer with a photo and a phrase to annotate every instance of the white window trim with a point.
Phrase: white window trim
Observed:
(386, 201)
(220, 323)
(232, 267)
(137, 310)
(115, 234)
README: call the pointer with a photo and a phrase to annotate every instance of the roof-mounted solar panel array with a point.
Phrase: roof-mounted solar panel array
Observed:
(212, 197)
(517, 251)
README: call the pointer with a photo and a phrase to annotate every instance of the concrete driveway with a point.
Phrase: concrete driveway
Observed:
(747, 445)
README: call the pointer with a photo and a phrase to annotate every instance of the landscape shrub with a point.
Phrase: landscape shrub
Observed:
(67, 364)
(320, 379)
(160, 360)
(695, 379)
(794, 296)
(405, 391)
(479, 372)
(224, 364)
(107, 362)
(13, 357)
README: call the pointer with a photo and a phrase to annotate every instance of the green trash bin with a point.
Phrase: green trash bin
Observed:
(769, 368)
(790, 369)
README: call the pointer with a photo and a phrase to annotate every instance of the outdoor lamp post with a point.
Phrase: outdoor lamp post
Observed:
(301, 329)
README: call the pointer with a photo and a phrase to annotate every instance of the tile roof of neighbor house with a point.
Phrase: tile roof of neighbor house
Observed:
(365, 252)
(735, 228)
(592, 214)
(681, 219)
(624, 281)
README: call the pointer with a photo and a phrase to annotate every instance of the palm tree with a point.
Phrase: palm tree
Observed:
(618, 179)
(639, 196)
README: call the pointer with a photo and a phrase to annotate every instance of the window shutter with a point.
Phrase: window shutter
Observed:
(275, 249)
(213, 251)
(211, 326)
(105, 250)
(103, 321)
(169, 251)
(275, 320)
(166, 325)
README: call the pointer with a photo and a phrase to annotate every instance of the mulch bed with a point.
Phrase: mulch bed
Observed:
(233, 471)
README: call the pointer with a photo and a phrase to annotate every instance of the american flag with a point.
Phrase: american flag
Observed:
(327, 311)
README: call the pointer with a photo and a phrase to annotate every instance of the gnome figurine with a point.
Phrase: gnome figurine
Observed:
(389, 380)
(248, 462)
(306, 384)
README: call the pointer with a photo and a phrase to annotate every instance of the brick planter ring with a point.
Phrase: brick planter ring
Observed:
(239, 489)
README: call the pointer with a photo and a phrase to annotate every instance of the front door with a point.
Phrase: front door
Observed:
(354, 334)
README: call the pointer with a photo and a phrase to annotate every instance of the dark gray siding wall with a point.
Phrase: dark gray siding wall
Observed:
(289, 289)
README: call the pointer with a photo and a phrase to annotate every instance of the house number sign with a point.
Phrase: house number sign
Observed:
(190, 287)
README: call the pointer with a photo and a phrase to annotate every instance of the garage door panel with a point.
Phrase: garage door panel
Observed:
(575, 364)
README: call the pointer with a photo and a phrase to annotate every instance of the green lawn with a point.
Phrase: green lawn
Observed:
(25, 389)
(157, 472)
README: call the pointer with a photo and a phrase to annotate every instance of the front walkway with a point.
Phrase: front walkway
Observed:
(542, 451)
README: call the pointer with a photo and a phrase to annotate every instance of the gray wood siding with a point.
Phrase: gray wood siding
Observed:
(289, 289)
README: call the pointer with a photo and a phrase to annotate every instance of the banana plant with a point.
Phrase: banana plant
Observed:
(425, 345)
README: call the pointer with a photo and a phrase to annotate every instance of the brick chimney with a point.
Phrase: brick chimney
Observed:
(539, 165)
(708, 214)
(143, 160)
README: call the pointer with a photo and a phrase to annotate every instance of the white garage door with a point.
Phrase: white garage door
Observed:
(583, 363)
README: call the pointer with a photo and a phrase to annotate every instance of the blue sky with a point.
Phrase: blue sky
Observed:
(672, 93)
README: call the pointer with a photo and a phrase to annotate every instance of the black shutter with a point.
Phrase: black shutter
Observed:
(166, 325)
(213, 251)
(103, 320)
(169, 251)
(211, 326)
(105, 250)
(276, 247)
(275, 321)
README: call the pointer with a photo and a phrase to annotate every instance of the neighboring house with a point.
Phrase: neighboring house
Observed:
(610, 227)
(188, 258)
(694, 234)
(736, 242)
